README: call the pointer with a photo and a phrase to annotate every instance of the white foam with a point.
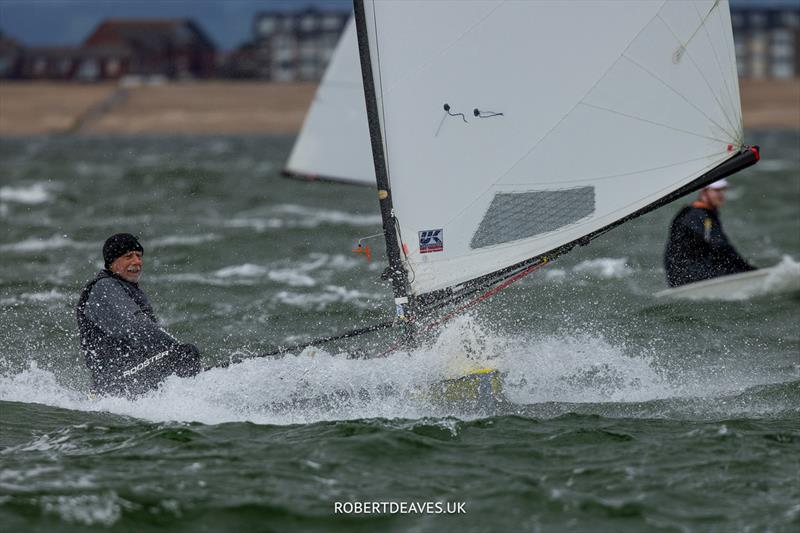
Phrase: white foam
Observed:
(46, 296)
(313, 217)
(570, 367)
(292, 278)
(298, 216)
(31, 195)
(319, 301)
(289, 276)
(605, 267)
(184, 240)
(247, 270)
(785, 277)
(87, 509)
(260, 225)
(579, 368)
(56, 242)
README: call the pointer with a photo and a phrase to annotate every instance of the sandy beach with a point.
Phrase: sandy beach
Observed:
(231, 107)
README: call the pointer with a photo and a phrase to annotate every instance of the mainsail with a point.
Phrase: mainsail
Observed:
(333, 144)
(506, 132)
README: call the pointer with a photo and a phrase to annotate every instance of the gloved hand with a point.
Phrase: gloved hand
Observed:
(187, 360)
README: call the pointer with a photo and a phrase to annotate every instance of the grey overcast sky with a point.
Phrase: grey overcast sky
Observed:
(227, 22)
(69, 22)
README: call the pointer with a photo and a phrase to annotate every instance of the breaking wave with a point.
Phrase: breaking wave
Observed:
(566, 370)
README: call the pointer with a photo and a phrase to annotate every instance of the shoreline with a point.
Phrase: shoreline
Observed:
(240, 107)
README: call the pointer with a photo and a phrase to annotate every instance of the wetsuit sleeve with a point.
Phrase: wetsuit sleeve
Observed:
(113, 311)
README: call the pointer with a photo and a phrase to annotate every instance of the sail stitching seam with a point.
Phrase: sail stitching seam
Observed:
(708, 85)
(731, 102)
(638, 171)
(671, 88)
(653, 122)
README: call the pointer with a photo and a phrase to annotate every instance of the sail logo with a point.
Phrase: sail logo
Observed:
(431, 240)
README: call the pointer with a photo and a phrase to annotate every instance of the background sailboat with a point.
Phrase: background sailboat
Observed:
(333, 144)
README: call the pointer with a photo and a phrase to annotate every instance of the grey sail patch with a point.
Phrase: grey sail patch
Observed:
(515, 216)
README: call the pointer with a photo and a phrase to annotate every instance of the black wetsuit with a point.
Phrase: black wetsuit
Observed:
(125, 349)
(698, 249)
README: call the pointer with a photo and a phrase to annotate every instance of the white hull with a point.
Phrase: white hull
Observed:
(781, 278)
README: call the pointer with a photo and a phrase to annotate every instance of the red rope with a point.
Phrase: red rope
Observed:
(488, 294)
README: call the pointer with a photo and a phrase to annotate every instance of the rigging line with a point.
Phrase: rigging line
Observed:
(488, 294)
(724, 22)
(385, 136)
(403, 250)
(280, 351)
(558, 122)
(468, 291)
(725, 78)
(632, 173)
(653, 122)
(685, 99)
(684, 190)
(730, 122)
(702, 75)
(685, 178)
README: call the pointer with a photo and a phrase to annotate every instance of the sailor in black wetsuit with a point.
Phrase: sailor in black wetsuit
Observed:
(697, 248)
(125, 349)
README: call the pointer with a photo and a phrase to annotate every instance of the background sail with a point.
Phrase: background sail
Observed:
(334, 141)
(606, 107)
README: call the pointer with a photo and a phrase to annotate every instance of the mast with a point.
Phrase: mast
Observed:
(397, 271)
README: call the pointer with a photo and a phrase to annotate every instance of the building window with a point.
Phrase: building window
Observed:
(112, 68)
(790, 19)
(331, 22)
(782, 69)
(758, 19)
(267, 26)
(39, 66)
(287, 24)
(64, 66)
(89, 69)
(308, 23)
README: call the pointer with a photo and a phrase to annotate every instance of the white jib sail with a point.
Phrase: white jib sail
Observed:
(334, 141)
(589, 111)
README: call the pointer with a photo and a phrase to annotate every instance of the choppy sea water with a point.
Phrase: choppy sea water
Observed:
(628, 413)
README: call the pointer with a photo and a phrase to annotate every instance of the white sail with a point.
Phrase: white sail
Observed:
(589, 111)
(334, 141)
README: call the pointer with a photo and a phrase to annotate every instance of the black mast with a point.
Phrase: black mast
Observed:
(397, 272)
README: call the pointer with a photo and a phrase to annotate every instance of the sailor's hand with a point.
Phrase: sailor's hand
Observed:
(188, 360)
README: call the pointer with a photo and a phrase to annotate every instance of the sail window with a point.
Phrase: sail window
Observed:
(514, 216)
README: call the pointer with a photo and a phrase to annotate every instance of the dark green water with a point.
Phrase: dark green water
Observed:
(629, 413)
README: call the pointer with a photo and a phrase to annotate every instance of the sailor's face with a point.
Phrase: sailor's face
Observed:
(128, 266)
(714, 197)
